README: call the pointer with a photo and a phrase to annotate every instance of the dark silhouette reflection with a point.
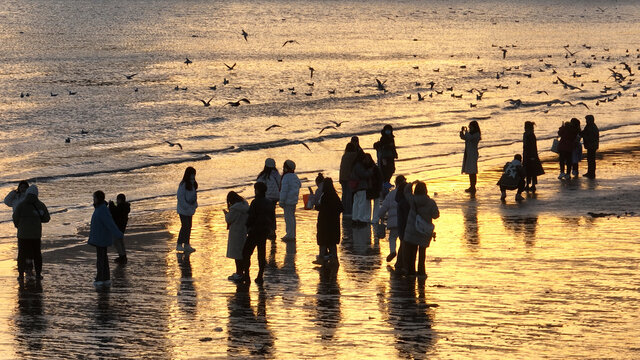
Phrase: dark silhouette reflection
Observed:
(526, 227)
(470, 219)
(283, 279)
(30, 322)
(187, 295)
(327, 310)
(359, 253)
(248, 330)
(411, 317)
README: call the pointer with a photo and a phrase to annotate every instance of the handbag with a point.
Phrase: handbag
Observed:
(381, 230)
(423, 227)
(555, 145)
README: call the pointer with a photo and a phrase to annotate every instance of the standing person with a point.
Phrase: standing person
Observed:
(389, 207)
(28, 218)
(421, 206)
(576, 154)
(14, 197)
(356, 143)
(187, 205)
(346, 166)
(567, 134)
(387, 154)
(471, 137)
(236, 218)
(591, 138)
(403, 213)
(120, 213)
(512, 178)
(259, 222)
(530, 160)
(271, 177)
(103, 230)
(328, 226)
(361, 174)
(314, 198)
(289, 193)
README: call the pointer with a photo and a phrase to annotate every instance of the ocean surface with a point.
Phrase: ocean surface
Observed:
(118, 128)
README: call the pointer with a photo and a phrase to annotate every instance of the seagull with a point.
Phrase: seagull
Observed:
(244, 34)
(504, 53)
(52, 94)
(570, 53)
(237, 103)
(290, 42)
(303, 144)
(230, 67)
(214, 87)
(420, 97)
(187, 61)
(271, 127)
(569, 86)
(381, 84)
(72, 92)
(326, 128)
(67, 140)
(173, 144)
(431, 83)
(206, 103)
(311, 84)
(338, 124)
(627, 67)
(84, 132)
(311, 70)
(542, 92)
(225, 81)
(129, 77)
(332, 91)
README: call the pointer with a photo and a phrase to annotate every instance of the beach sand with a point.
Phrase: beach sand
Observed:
(539, 279)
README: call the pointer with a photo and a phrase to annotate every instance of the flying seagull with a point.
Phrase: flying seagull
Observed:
(326, 128)
(230, 67)
(244, 34)
(338, 124)
(129, 77)
(173, 144)
(206, 103)
(272, 126)
(237, 103)
(187, 61)
(290, 42)
(381, 84)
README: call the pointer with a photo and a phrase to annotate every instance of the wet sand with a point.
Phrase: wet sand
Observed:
(540, 279)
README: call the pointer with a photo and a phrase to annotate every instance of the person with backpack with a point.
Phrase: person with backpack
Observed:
(419, 230)
(120, 213)
(28, 218)
(512, 178)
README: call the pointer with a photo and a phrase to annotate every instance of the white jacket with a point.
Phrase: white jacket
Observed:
(273, 185)
(290, 189)
(390, 206)
(187, 200)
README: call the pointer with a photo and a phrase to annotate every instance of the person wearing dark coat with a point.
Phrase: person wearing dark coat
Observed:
(403, 214)
(328, 226)
(363, 170)
(346, 166)
(416, 242)
(387, 154)
(530, 159)
(28, 218)
(568, 134)
(262, 213)
(591, 138)
(101, 234)
(120, 214)
(512, 178)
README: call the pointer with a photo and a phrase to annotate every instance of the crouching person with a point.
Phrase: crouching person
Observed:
(103, 230)
(512, 178)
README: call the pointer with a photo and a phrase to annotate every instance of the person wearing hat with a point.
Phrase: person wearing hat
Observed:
(271, 177)
(387, 154)
(289, 193)
(28, 218)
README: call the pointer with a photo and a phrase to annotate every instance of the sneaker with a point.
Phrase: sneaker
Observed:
(179, 248)
(561, 175)
(567, 176)
(519, 197)
(391, 256)
(235, 277)
(470, 190)
(259, 281)
(106, 283)
(98, 283)
(188, 248)
(317, 261)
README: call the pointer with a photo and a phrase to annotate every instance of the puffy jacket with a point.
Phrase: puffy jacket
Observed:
(103, 228)
(424, 206)
(590, 137)
(187, 200)
(290, 190)
(29, 216)
(262, 215)
(389, 206)
(236, 220)
(346, 166)
(14, 198)
(568, 135)
(273, 184)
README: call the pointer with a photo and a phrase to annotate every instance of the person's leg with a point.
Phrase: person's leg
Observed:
(393, 236)
(247, 252)
(503, 192)
(184, 237)
(520, 190)
(239, 267)
(591, 162)
(262, 259)
(359, 198)
(422, 258)
(473, 179)
(347, 197)
(333, 250)
(22, 253)
(367, 209)
(410, 258)
(400, 259)
(290, 221)
(102, 264)
(37, 257)
(561, 158)
(119, 245)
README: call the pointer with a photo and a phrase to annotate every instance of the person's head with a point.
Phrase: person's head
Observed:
(517, 157)
(474, 127)
(528, 126)
(121, 199)
(269, 163)
(289, 166)
(189, 178)
(368, 160)
(400, 180)
(590, 119)
(420, 189)
(23, 186)
(327, 186)
(260, 189)
(387, 130)
(575, 123)
(350, 147)
(98, 198)
(233, 197)
(319, 179)
(32, 190)
(355, 141)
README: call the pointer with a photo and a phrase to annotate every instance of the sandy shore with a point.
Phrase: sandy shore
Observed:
(538, 279)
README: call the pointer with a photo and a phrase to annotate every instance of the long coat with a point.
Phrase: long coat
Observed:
(424, 206)
(470, 159)
(328, 225)
(530, 159)
(103, 229)
(236, 220)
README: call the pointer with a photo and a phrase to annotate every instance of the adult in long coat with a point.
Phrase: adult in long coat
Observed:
(471, 137)
(530, 159)
(421, 205)
(328, 226)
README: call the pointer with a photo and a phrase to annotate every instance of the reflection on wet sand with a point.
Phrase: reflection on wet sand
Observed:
(187, 295)
(248, 330)
(327, 308)
(360, 254)
(470, 222)
(30, 322)
(525, 227)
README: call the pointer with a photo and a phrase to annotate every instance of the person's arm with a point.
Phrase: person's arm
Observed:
(108, 223)
(284, 190)
(10, 198)
(436, 211)
(16, 219)
(45, 217)
(383, 209)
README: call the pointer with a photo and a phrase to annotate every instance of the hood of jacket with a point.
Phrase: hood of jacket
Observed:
(241, 206)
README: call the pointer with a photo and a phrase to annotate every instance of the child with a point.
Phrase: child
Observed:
(328, 226)
(512, 178)
(390, 207)
(289, 193)
(259, 226)
(314, 199)
(236, 219)
(120, 214)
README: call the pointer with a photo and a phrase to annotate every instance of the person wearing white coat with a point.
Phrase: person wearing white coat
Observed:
(15, 197)
(187, 205)
(389, 207)
(289, 193)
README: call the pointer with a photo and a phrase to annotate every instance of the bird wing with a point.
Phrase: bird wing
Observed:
(326, 128)
(245, 100)
(285, 43)
(305, 145)
(379, 83)
(271, 127)
(203, 102)
(228, 67)
(179, 145)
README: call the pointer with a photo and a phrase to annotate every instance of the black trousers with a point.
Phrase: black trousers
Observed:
(247, 252)
(520, 189)
(591, 162)
(185, 229)
(29, 249)
(102, 264)
(566, 161)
